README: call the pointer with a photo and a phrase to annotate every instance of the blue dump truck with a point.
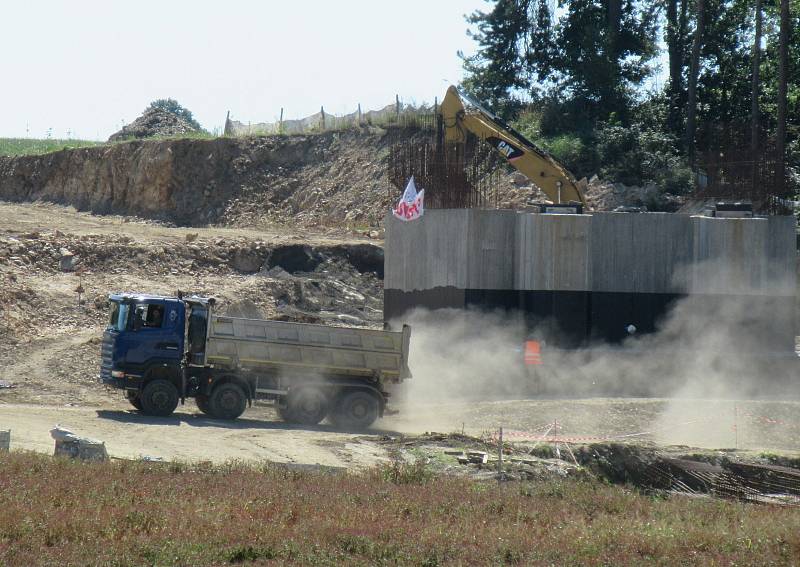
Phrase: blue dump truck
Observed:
(162, 350)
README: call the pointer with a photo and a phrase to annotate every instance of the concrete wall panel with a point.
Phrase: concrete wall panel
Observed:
(663, 249)
(427, 253)
(552, 252)
(730, 256)
(490, 243)
(611, 252)
(640, 253)
(782, 254)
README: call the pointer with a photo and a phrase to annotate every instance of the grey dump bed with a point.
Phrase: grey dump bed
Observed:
(278, 345)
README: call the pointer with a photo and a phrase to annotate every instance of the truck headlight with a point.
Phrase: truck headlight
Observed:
(117, 374)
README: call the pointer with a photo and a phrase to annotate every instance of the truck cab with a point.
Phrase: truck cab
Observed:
(153, 338)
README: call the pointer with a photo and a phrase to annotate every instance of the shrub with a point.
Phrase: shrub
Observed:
(635, 156)
(580, 158)
(399, 472)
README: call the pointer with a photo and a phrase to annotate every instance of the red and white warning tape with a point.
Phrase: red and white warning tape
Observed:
(552, 436)
(770, 420)
(551, 432)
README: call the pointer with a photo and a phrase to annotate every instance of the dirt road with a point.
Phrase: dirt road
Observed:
(190, 436)
(259, 435)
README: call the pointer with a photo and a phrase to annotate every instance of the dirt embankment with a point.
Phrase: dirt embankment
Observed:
(310, 180)
(333, 179)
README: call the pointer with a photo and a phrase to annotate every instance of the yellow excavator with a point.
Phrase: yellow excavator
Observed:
(537, 164)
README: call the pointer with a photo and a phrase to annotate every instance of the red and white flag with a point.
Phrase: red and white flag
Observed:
(411, 205)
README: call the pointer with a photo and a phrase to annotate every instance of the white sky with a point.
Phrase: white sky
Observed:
(86, 65)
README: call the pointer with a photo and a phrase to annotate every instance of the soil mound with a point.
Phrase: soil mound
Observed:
(154, 123)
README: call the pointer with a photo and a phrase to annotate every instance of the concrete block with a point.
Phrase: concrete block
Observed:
(70, 445)
(782, 257)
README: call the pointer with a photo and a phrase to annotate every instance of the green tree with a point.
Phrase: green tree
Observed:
(677, 40)
(515, 42)
(732, 80)
(604, 54)
(783, 87)
(592, 58)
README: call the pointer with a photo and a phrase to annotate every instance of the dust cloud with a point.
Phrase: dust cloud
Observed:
(464, 355)
(460, 357)
(714, 359)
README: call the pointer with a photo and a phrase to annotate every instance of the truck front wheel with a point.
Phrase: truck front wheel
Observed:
(159, 398)
(356, 410)
(134, 399)
(227, 401)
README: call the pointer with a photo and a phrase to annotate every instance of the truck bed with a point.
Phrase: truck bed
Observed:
(259, 344)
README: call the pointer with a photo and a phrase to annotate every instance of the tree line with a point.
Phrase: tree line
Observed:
(645, 90)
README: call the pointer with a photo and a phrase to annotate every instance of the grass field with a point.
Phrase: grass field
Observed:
(32, 146)
(59, 512)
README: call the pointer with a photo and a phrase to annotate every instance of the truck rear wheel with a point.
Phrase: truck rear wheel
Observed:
(159, 398)
(307, 405)
(283, 412)
(227, 401)
(202, 403)
(357, 409)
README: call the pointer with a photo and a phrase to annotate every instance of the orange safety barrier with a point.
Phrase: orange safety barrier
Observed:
(533, 352)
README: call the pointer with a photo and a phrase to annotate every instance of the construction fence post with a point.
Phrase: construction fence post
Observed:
(500, 452)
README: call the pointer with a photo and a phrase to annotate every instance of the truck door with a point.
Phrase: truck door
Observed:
(156, 337)
(198, 329)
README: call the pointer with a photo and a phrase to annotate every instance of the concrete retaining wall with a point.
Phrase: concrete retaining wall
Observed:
(651, 253)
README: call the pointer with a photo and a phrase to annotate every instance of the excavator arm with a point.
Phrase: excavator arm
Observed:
(537, 164)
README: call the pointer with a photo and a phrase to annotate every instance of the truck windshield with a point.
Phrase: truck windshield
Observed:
(119, 316)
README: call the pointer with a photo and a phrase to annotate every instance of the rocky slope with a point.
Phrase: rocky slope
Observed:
(334, 179)
(308, 180)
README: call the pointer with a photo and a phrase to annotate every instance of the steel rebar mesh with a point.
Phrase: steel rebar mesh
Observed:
(732, 171)
(454, 176)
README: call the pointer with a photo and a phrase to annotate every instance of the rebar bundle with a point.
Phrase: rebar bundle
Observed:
(454, 176)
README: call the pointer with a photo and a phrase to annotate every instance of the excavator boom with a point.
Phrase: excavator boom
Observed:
(537, 164)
